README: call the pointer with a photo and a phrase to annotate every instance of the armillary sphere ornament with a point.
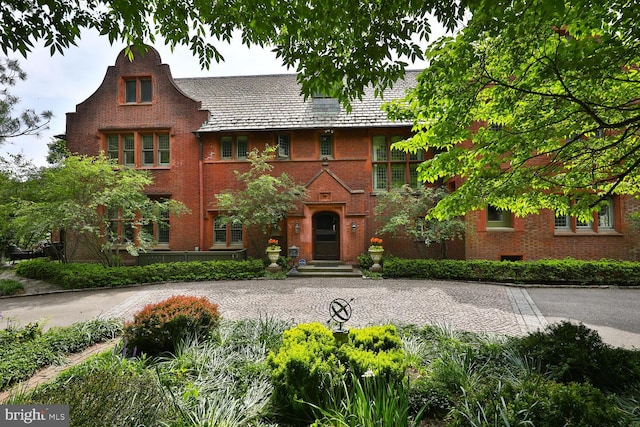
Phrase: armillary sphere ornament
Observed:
(340, 311)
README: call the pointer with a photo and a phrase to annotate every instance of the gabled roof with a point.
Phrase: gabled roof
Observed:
(274, 102)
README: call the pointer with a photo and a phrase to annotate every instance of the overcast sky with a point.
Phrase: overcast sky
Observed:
(59, 83)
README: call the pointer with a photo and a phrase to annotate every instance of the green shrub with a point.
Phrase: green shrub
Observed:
(537, 402)
(157, 328)
(570, 352)
(309, 368)
(10, 287)
(106, 391)
(565, 271)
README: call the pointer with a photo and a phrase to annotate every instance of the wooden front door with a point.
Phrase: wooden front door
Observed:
(326, 236)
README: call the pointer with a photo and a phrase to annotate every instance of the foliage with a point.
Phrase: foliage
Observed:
(335, 49)
(160, 327)
(10, 287)
(564, 271)
(79, 275)
(309, 369)
(100, 204)
(522, 88)
(568, 352)
(264, 199)
(106, 390)
(405, 212)
(368, 401)
(29, 122)
(25, 350)
(57, 151)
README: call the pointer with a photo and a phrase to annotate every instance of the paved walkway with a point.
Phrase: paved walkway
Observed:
(474, 307)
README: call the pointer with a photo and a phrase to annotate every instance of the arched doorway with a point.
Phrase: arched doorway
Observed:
(326, 236)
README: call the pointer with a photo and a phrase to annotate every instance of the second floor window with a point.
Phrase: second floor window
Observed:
(229, 150)
(326, 145)
(393, 168)
(139, 149)
(137, 90)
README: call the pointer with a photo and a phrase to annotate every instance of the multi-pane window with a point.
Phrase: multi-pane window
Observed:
(284, 146)
(137, 90)
(153, 149)
(121, 148)
(601, 220)
(159, 230)
(497, 217)
(393, 168)
(227, 147)
(119, 230)
(326, 145)
(226, 233)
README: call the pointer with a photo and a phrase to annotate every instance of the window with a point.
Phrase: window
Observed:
(394, 168)
(154, 149)
(326, 145)
(119, 230)
(498, 217)
(602, 220)
(226, 234)
(159, 230)
(227, 147)
(283, 146)
(137, 90)
(121, 148)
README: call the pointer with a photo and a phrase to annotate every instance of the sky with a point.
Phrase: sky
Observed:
(58, 83)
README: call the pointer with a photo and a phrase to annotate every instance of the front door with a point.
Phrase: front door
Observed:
(326, 236)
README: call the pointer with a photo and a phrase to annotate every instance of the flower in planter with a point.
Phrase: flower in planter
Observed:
(376, 244)
(273, 245)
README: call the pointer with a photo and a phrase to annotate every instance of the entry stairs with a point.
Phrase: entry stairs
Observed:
(327, 269)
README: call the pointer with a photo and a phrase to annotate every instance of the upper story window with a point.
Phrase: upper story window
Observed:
(148, 149)
(137, 90)
(393, 168)
(229, 150)
(497, 217)
(284, 146)
(603, 220)
(326, 145)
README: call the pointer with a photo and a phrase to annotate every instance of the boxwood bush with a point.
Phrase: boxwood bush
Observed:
(565, 271)
(78, 276)
(310, 368)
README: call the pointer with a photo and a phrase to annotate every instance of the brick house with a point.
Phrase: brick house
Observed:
(193, 133)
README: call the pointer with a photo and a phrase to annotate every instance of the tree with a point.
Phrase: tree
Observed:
(404, 212)
(337, 48)
(57, 151)
(97, 204)
(28, 122)
(554, 94)
(263, 200)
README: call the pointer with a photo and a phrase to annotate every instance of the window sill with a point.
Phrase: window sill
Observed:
(150, 167)
(226, 248)
(503, 229)
(584, 233)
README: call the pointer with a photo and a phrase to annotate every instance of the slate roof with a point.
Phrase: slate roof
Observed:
(272, 102)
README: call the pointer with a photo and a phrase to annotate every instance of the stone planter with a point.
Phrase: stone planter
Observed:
(273, 255)
(376, 256)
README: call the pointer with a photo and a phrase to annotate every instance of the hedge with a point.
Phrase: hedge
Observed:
(79, 276)
(565, 271)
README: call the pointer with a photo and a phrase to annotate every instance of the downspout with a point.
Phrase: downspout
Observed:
(201, 188)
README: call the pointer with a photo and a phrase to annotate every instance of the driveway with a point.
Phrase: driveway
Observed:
(474, 307)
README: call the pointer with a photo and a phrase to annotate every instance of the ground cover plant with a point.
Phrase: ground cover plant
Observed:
(253, 372)
(10, 287)
(24, 350)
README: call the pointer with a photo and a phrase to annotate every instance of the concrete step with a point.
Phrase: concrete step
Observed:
(328, 269)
